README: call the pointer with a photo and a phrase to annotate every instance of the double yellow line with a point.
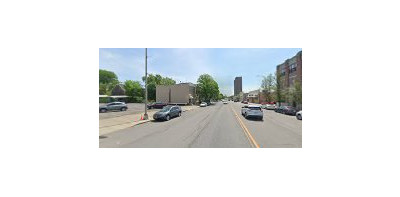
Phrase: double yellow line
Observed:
(246, 131)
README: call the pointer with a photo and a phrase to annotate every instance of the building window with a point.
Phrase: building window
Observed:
(292, 68)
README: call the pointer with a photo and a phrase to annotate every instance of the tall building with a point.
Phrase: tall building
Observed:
(237, 85)
(291, 70)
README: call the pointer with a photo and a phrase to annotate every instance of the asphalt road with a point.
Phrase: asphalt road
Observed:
(217, 126)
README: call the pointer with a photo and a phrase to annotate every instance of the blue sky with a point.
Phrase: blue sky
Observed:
(187, 64)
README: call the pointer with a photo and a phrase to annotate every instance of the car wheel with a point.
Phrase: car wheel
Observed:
(298, 117)
(167, 118)
(123, 109)
(103, 110)
(180, 113)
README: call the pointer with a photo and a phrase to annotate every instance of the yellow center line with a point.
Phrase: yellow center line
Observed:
(246, 131)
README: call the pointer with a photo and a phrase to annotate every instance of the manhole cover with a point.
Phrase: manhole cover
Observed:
(102, 137)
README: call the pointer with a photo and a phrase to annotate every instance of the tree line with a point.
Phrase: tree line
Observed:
(273, 89)
(207, 88)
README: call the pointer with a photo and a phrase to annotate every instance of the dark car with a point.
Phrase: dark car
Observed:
(279, 109)
(157, 105)
(289, 110)
(114, 106)
(168, 112)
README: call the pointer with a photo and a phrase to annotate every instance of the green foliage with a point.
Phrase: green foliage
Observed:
(134, 90)
(207, 88)
(268, 84)
(107, 77)
(102, 89)
(107, 81)
(167, 81)
(279, 88)
(103, 100)
(152, 81)
(220, 96)
(296, 94)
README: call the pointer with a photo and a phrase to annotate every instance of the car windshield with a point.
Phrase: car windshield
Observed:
(254, 108)
(165, 109)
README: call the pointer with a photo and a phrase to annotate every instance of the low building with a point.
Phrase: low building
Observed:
(183, 93)
(118, 90)
(253, 96)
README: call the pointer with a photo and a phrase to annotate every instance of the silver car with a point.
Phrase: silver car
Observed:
(299, 115)
(252, 111)
(114, 106)
(168, 112)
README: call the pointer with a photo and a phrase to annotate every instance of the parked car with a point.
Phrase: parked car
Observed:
(244, 109)
(245, 102)
(289, 110)
(299, 115)
(168, 112)
(156, 105)
(225, 101)
(252, 111)
(203, 104)
(279, 109)
(270, 106)
(114, 106)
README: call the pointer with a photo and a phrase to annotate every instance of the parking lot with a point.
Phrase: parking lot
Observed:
(133, 108)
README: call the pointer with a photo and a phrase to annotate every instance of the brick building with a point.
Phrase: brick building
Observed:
(291, 70)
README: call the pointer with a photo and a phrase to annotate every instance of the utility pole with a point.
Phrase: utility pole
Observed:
(145, 87)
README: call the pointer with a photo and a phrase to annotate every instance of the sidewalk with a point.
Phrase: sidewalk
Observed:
(110, 125)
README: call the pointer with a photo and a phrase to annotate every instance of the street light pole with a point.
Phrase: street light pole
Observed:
(145, 117)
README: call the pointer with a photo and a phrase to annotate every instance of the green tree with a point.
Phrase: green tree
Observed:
(134, 90)
(220, 96)
(106, 77)
(107, 81)
(167, 81)
(297, 94)
(207, 88)
(102, 89)
(279, 88)
(267, 86)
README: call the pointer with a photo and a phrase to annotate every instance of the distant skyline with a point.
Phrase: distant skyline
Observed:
(187, 64)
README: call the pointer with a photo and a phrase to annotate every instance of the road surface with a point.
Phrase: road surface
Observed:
(216, 126)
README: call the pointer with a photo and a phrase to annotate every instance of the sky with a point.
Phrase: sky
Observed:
(187, 64)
